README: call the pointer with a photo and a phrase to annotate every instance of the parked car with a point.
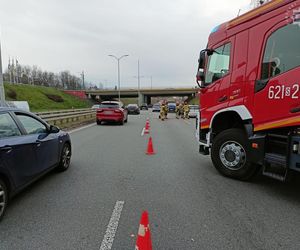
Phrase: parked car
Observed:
(171, 107)
(150, 106)
(194, 110)
(133, 109)
(111, 111)
(29, 148)
(144, 106)
(156, 107)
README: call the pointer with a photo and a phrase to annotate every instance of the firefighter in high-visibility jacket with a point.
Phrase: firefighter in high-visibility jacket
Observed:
(166, 110)
(181, 110)
(163, 111)
(177, 110)
(186, 111)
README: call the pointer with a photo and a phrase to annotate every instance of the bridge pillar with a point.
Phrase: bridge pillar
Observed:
(148, 100)
(141, 99)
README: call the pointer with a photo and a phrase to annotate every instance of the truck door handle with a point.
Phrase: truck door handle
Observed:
(222, 99)
(295, 110)
(6, 149)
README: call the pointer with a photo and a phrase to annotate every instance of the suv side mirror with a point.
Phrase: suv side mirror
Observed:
(54, 129)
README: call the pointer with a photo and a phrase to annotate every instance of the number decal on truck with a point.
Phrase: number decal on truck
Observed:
(280, 92)
(296, 90)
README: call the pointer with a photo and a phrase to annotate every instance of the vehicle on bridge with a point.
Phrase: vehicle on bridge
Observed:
(250, 93)
(111, 111)
(29, 148)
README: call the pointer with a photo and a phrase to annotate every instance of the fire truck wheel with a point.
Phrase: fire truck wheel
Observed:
(229, 154)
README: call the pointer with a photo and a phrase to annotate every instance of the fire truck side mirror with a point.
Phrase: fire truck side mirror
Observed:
(200, 78)
(201, 60)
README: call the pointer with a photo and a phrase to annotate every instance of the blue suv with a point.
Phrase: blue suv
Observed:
(29, 148)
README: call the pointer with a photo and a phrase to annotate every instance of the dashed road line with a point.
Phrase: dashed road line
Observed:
(143, 132)
(112, 227)
(187, 122)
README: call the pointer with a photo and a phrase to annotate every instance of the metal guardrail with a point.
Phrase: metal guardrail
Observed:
(42, 114)
(68, 118)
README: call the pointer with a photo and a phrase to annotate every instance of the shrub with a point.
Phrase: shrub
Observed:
(12, 94)
(55, 98)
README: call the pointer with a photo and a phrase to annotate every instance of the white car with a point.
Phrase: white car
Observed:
(96, 106)
(194, 111)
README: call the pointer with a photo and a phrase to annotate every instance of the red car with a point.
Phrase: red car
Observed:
(111, 111)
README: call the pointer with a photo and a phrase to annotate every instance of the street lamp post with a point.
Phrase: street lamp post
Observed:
(2, 93)
(118, 59)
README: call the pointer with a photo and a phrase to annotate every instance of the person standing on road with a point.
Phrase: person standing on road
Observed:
(163, 111)
(181, 110)
(186, 110)
(166, 110)
(177, 110)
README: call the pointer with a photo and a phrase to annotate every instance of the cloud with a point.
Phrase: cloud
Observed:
(78, 35)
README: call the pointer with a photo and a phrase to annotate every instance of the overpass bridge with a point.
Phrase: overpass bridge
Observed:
(144, 95)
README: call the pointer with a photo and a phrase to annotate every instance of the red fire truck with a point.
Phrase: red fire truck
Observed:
(249, 79)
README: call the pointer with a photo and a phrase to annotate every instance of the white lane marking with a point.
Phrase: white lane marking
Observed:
(81, 128)
(143, 132)
(187, 122)
(112, 226)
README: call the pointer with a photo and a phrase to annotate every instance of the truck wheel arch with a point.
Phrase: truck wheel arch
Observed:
(233, 117)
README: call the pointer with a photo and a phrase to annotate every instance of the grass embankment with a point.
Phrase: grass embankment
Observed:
(194, 101)
(43, 98)
(127, 101)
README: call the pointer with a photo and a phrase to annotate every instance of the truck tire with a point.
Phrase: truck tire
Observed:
(230, 155)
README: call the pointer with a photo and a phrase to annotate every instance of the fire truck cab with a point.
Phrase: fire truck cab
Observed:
(249, 79)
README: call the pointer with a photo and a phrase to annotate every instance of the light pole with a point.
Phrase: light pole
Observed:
(82, 76)
(2, 93)
(118, 59)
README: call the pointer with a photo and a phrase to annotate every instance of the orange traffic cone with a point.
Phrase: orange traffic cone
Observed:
(150, 150)
(148, 124)
(147, 127)
(143, 241)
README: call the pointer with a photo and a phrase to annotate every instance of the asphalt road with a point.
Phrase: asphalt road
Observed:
(190, 205)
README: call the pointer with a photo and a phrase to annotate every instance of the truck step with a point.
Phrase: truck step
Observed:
(275, 176)
(203, 150)
(275, 166)
(277, 159)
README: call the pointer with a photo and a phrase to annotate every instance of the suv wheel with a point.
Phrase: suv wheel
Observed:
(3, 198)
(65, 158)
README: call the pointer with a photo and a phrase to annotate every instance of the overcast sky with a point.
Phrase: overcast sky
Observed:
(165, 35)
